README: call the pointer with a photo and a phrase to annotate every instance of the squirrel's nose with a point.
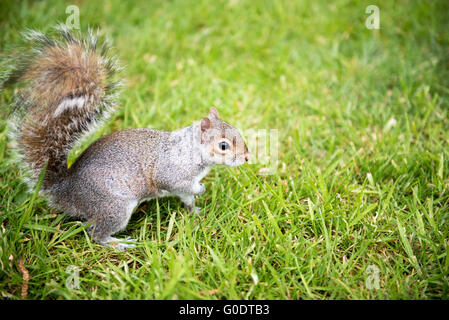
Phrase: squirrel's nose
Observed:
(246, 153)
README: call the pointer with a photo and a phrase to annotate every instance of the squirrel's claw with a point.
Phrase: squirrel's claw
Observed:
(119, 244)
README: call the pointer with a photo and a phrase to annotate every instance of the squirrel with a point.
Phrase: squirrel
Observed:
(69, 92)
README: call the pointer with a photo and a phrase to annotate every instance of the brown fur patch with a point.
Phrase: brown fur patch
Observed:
(67, 85)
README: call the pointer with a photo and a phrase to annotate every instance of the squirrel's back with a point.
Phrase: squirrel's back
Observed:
(69, 90)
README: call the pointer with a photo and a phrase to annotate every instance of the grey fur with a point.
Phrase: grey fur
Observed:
(122, 169)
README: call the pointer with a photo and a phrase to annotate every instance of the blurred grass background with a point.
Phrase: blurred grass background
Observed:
(363, 175)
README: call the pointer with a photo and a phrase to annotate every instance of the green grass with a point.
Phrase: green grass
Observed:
(363, 177)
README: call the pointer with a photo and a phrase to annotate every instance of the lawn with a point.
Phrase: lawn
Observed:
(358, 207)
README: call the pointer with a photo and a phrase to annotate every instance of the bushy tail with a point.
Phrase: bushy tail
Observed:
(68, 91)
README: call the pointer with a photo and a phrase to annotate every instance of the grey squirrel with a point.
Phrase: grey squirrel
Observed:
(69, 90)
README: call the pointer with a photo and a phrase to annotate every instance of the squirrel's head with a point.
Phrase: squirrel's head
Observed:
(222, 143)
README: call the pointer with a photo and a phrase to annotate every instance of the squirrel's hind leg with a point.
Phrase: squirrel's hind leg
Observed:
(113, 219)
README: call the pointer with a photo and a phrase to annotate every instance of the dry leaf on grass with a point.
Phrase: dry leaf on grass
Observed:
(25, 277)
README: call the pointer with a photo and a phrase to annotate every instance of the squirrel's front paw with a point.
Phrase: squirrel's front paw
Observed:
(200, 189)
(194, 209)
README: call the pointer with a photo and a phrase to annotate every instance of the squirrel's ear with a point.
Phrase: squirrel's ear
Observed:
(205, 124)
(213, 113)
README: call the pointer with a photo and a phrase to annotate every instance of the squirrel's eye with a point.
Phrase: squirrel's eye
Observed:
(223, 145)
